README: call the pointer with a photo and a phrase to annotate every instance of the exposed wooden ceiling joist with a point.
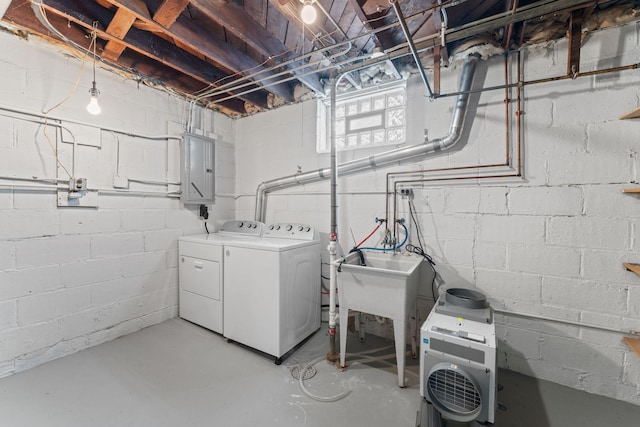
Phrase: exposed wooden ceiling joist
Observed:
(243, 56)
(242, 25)
(196, 39)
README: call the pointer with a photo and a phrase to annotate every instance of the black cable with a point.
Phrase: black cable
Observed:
(419, 251)
(412, 209)
(205, 227)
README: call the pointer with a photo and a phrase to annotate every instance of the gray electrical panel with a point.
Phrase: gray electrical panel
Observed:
(198, 169)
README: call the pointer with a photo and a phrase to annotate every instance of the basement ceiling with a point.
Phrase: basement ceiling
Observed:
(246, 56)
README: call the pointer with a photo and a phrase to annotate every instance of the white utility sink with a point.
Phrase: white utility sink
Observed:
(387, 285)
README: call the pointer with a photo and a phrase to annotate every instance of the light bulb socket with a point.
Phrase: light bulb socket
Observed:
(94, 92)
(94, 107)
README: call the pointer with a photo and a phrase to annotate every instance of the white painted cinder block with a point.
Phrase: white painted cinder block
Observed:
(41, 307)
(463, 200)
(136, 220)
(606, 266)
(506, 285)
(584, 295)
(546, 260)
(29, 281)
(90, 271)
(609, 201)
(28, 224)
(112, 245)
(511, 229)
(586, 232)
(7, 255)
(161, 240)
(545, 201)
(51, 250)
(23, 340)
(55, 263)
(143, 263)
(88, 221)
(8, 315)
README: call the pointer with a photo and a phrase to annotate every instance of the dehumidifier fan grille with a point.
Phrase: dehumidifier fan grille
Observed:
(453, 392)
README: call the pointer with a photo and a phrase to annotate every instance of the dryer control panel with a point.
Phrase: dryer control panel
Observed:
(244, 227)
(290, 230)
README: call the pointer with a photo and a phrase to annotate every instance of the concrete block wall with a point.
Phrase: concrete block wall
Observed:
(549, 244)
(73, 277)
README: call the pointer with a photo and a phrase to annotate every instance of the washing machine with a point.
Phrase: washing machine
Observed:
(201, 267)
(272, 289)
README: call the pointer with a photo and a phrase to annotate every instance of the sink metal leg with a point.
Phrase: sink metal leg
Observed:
(400, 335)
(361, 327)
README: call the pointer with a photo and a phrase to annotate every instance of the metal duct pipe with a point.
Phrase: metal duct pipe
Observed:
(381, 159)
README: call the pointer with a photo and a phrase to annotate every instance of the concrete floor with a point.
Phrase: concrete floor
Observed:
(178, 374)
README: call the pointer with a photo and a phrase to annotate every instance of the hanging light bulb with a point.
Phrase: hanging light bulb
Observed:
(93, 107)
(308, 12)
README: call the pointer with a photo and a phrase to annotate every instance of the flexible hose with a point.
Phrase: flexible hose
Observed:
(345, 393)
(367, 238)
(316, 397)
(406, 236)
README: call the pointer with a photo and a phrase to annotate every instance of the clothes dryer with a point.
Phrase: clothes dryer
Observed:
(201, 289)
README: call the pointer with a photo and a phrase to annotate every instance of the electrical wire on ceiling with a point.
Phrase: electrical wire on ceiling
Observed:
(247, 79)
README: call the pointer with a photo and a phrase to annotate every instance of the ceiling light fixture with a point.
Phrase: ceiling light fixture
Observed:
(93, 107)
(308, 12)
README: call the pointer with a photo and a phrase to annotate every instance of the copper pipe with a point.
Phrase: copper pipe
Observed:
(507, 163)
(509, 31)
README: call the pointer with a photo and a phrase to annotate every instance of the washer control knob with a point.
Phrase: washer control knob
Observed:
(308, 229)
(277, 227)
(300, 228)
(289, 227)
(271, 227)
(240, 224)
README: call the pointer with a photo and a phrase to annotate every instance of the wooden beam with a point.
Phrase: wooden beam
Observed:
(139, 41)
(118, 28)
(436, 70)
(382, 39)
(235, 20)
(198, 41)
(575, 41)
(169, 11)
(128, 62)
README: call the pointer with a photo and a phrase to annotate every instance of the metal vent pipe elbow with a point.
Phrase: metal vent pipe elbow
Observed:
(386, 158)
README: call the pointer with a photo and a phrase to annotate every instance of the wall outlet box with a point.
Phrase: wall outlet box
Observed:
(120, 182)
(77, 184)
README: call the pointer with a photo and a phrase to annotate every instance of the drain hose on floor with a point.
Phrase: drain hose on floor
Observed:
(345, 393)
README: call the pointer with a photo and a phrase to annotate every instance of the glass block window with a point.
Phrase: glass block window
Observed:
(364, 120)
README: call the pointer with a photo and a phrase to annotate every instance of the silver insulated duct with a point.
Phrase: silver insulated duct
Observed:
(382, 159)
